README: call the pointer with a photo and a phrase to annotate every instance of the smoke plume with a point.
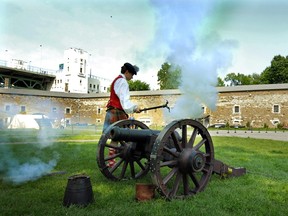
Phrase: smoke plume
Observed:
(30, 171)
(183, 39)
(16, 170)
(18, 166)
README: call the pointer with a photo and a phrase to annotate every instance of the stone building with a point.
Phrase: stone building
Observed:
(75, 74)
(255, 105)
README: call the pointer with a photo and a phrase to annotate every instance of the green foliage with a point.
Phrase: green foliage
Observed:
(280, 126)
(255, 79)
(277, 72)
(169, 76)
(242, 79)
(138, 85)
(238, 79)
(220, 82)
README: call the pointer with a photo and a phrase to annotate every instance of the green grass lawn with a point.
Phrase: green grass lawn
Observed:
(262, 191)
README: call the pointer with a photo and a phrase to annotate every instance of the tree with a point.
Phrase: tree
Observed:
(277, 72)
(169, 76)
(233, 79)
(220, 82)
(243, 79)
(239, 79)
(256, 79)
(138, 85)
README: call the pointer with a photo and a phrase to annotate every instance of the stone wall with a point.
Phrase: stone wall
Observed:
(77, 108)
(255, 105)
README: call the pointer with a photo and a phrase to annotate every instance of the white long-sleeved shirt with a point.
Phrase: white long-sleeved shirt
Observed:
(121, 89)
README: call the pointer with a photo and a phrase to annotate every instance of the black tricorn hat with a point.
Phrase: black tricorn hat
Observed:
(131, 68)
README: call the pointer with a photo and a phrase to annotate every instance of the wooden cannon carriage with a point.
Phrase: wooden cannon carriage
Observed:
(180, 157)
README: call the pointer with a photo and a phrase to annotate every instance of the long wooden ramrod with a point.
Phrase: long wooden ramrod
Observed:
(157, 107)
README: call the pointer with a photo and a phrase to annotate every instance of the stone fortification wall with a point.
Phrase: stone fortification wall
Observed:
(254, 105)
(78, 108)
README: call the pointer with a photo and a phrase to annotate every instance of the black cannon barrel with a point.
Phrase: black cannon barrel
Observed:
(132, 135)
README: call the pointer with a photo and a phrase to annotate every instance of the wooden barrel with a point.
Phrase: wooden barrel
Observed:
(78, 191)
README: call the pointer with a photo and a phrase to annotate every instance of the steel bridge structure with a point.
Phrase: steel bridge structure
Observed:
(28, 77)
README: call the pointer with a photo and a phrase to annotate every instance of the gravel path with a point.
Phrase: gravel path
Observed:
(278, 135)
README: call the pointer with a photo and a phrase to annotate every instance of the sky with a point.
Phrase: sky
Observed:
(145, 33)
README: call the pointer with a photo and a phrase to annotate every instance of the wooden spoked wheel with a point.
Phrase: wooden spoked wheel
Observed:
(181, 161)
(120, 160)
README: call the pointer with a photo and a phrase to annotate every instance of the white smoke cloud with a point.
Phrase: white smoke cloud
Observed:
(29, 166)
(14, 171)
(183, 39)
(30, 171)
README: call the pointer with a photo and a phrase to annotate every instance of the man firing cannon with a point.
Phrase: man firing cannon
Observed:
(119, 104)
(180, 157)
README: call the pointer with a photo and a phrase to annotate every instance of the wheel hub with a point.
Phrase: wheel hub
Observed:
(197, 161)
(191, 161)
(127, 152)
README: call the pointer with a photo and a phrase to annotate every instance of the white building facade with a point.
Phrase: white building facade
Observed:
(97, 84)
(74, 74)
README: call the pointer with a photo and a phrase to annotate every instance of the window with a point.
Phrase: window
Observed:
(276, 108)
(90, 85)
(67, 121)
(203, 109)
(146, 121)
(236, 109)
(23, 109)
(7, 108)
(236, 122)
(275, 121)
(67, 110)
(54, 109)
(98, 110)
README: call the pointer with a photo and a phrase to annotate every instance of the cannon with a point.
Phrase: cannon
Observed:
(180, 157)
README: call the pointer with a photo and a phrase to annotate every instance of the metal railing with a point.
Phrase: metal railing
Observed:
(29, 68)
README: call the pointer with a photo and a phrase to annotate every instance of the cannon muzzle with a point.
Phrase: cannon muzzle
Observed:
(132, 135)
